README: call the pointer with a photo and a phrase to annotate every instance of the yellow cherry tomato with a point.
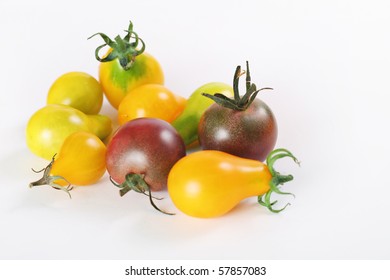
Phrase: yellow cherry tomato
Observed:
(81, 161)
(126, 66)
(211, 183)
(48, 127)
(78, 90)
(153, 101)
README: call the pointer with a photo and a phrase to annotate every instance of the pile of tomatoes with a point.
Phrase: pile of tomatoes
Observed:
(208, 151)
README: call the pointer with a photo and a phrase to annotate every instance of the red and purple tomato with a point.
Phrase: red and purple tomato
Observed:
(251, 133)
(145, 146)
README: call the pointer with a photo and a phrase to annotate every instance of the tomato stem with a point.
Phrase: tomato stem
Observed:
(49, 180)
(124, 49)
(136, 182)
(277, 179)
(238, 103)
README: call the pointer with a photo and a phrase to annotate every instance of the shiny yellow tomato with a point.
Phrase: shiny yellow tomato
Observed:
(78, 90)
(126, 66)
(211, 183)
(117, 82)
(153, 101)
(81, 162)
(48, 127)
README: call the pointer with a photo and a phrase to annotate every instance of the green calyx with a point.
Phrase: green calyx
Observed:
(124, 49)
(136, 182)
(238, 103)
(277, 179)
(49, 180)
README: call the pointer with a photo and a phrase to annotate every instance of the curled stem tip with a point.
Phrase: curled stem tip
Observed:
(238, 103)
(50, 180)
(136, 182)
(277, 179)
(124, 49)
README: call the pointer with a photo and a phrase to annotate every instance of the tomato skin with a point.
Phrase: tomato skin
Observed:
(78, 90)
(210, 183)
(49, 126)
(81, 159)
(145, 146)
(251, 133)
(187, 122)
(152, 101)
(117, 82)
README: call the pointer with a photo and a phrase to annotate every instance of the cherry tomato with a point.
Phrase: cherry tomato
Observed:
(126, 66)
(151, 100)
(81, 161)
(210, 183)
(78, 90)
(141, 154)
(49, 126)
(243, 126)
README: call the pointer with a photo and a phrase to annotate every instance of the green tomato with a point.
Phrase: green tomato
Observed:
(78, 90)
(187, 123)
(51, 125)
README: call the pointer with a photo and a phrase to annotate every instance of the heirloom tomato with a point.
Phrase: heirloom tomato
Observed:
(243, 126)
(210, 183)
(49, 126)
(78, 90)
(140, 155)
(80, 161)
(126, 66)
(152, 101)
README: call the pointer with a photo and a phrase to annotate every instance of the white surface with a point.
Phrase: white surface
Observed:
(328, 62)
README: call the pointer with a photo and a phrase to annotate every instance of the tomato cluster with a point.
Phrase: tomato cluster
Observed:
(207, 150)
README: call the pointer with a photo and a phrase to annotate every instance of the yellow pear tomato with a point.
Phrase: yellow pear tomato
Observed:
(81, 161)
(210, 183)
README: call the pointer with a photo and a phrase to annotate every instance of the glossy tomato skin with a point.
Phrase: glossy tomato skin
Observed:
(151, 101)
(48, 127)
(81, 160)
(145, 146)
(187, 122)
(208, 184)
(251, 133)
(78, 90)
(117, 82)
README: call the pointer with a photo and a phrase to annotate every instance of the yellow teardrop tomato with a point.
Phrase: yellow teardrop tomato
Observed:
(78, 90)
(153, 101)
(81, 161)
(48, 127)
(210, 183)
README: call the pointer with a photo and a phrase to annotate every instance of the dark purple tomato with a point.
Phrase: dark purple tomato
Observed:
(147, 148)
(250, 134)
(243, 126)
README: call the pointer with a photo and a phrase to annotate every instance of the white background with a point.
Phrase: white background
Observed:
(329, 65)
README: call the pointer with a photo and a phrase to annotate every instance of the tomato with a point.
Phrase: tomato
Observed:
(126, 66)
(243, 126)
(141, 153)
(81, 161)
(49, 126)
(151, 100)
(187, 122)
(78, 90)
(210, 183)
